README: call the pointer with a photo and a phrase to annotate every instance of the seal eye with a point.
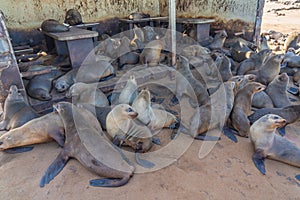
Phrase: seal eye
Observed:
(275, 117)
(129, 110)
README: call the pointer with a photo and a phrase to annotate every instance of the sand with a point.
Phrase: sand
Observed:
(227, 172)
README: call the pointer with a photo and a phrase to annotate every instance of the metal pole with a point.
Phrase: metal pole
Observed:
(172, 27)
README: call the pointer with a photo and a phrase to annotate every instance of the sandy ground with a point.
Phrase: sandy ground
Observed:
(226, 173)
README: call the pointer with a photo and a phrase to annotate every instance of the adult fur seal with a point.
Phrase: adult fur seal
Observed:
(86, 142)
(218, 41)
(152, 117)
(52, 25)
(269, 145)
(73, 17)
(292, 41)
(38, 130)
(87, 93)
(242, 107)
(262, 100)
(16, 111)
(151, 53)
(276, 90)
(86, 74)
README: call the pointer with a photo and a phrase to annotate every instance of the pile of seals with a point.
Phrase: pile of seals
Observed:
(222, 83)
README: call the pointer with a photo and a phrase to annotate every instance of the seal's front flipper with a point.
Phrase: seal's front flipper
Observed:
(108, 182)
(18, 150)
(230, 133)
(143, 163)
(59, 137)
(298, 177)
(293, 90)
(174, 101)
(54, 169)
(281, 131)
(207, 137)
(156, 140)
(259, 161)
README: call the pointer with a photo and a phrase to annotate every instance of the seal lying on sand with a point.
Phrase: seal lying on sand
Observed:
(16, 111)
(269, 145)
(86, 142)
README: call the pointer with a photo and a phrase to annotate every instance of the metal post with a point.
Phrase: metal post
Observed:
(172, 27)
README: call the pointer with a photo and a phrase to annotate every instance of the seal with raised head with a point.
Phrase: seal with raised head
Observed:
(73, 17)
(38, 130)
(129, 92)
(87, 93)
(218, 41)
(269, 145)
(242, 107)
(16, 111)
(151, 53)
(86, 142)
(277, 91)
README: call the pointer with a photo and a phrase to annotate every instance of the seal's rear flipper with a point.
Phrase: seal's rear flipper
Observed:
(156, 140)
(143, 163)
(293, 90)
(281, 131)
(298, 177)
(207, 137)
(54, 169)
(18, 150)
(259, 161)
(292, 99)
(230, 133)
(109, 182)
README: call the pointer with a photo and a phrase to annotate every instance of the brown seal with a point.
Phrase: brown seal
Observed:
(129, 92)
(254, 62)
(38, 130)
(267, 144)
(87, 93)
(240, 51)
(241, 81)
(224, 66)
(151, 53)
(73, 17)
(242, 107)
(152, 117)
(86, 142)
(292, 41)
(16, 111)
(269, 70)
(262, 100)
(276, 90)
(218, 40)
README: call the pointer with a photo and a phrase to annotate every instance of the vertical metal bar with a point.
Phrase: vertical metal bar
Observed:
(172, 26)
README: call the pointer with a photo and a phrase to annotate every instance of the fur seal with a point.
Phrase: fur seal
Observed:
(87, 93)
(38, 130)
(218, 40)
(262, 100)
(39, 86)
(129, 92)
(224, 66)
(16, 111)
(269, 70)
(269, 145)
(242, 107)
(73, 17)
(296, 78)
(125, 55)
(241, 81)
(138, 15)
(87, 74)
(194, 51)
(122, 129)
(189, 84)
(293, 61)
(292, 41)
(86, 142)
(52, 25)
(254, 62)
(149, 34)
(240, 51)
(152, 117)
(151, 53)
(290, 113)
(276, 90)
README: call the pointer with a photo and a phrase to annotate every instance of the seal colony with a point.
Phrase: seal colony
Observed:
(217, 83)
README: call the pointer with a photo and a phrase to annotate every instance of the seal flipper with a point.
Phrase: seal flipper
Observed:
(109, 182)
(54, 169)
(230, 133)
(298, 177)
(281, 130)
(293, 90)
(292, 99)
(58, 137)
(156, 140)
(259, 161)
(174, 101)
(15, 150)
(143, 163)
(206, 137)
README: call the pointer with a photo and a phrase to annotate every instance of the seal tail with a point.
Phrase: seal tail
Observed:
(54, 169)
(109, 182)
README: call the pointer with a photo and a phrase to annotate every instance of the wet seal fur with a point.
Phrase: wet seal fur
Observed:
(269, 145)
(16, 111)
(86, 142)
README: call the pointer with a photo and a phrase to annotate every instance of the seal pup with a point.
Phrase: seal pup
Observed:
(39, 130)
(242, 107)
(86, 142)
(16, 111)
(87, 93)
(290, 113)
(218, 40)
(52, 25)
(254, 62)
(269, 70)
(152, 117)
(73, 17)
(276, 90)
(151, 53)
(224, 66)
(269, 145)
